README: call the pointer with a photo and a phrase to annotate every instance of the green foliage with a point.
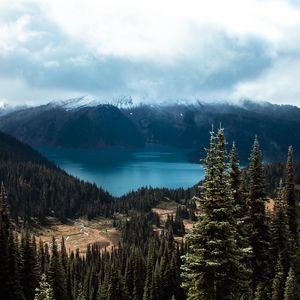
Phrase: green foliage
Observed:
(56, 273)
(213, 265)
(146, 264)
(278, 282)
(290, 195)
(281, 238)
(44, 291)
(290, 286)
(259, 229)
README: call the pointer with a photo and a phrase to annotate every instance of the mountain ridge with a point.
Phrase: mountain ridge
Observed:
(175, 125)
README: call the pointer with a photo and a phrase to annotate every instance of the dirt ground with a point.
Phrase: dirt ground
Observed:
(163, 209)
(79, 233)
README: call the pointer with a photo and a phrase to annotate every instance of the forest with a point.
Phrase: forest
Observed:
(237, 249)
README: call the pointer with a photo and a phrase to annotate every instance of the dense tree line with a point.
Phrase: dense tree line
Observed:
(38, 191)
(236, 250)
(146, 265)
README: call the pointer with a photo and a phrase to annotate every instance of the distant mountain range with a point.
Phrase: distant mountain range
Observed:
(87, 123)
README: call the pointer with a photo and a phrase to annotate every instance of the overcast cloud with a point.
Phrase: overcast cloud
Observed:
(150, 50)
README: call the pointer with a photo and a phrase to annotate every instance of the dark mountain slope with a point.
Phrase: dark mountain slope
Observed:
(15, 151)
(176, 125)
(102, 126)
(189, 126)
(98, 126)
(37, 188)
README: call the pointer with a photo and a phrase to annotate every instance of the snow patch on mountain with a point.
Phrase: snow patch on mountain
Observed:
(89, 101)
(6, 108)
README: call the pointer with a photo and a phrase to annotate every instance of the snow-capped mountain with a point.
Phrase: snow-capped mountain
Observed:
(89, 101)
(6, 108)
(87, 122)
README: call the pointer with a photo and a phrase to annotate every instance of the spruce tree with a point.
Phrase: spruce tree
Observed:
(290, 286)
(57, 277)
(259, 230)
(13, 279)
(10, 287)
(241, 216)
(280, 234)
(149, 272)
(290, 195)
(212, 267)
(239, 199)
(44, 291)
(278, 282)
(260, 293)
(115, 286)
(30, 271)
(4, 244)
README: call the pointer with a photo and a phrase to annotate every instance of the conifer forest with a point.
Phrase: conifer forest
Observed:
(149, 150)
(239, 246)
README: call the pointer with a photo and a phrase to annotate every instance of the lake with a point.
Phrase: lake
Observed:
(119, 171)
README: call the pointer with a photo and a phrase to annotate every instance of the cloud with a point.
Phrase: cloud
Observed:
(150, 50)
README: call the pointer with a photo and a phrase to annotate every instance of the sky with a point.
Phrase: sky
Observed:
(158, 50)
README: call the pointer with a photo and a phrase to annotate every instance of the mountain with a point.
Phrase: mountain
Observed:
(52, 125)
(36, 188)
(84, 123)
(12, 150)
(7, 108)
(89, 101)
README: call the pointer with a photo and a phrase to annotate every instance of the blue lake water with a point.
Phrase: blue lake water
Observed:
(120, 171)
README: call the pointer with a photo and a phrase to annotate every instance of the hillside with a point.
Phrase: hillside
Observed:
(89, 125)
(37, 188)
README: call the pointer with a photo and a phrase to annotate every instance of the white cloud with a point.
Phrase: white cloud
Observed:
(137, 28)
(163, 49)
(279, 84)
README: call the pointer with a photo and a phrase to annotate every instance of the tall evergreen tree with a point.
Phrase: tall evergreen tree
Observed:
(10, 287)
(13, 279)
(4, 244)
(212, 266)
(278, 282)
(290, 286)
(290, 195)
(239, 199)
(149, 272)
(259, 230)
(29, 271)
(56, 274)
(280, 234)
(44, 291)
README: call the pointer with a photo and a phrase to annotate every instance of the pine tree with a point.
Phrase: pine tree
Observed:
(149, 272)
(239, 199)
(260, 293)
(13, 279)
(241, 216)
(56, 274)
(290, 286)
(212, 267)
(259, 231)
(280, 234)
(80, 294)
(10, 287)
(44, 291)
(290, 195)
(29, 272)
(115, 287)
(4, 244)
(138, 274)
(278, 282)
